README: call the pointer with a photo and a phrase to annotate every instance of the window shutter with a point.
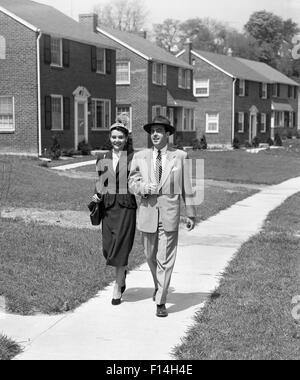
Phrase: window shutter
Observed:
(67, 113)
(154, 72)
(108, 61)
(94, 58)
(278, 90)
(48, 112)
(66, 53)
(269, 93)
(246, 121)
(47, 49)
(246, 88)
(289, 91)
(164, 75)
(268, 121)
(260, 90)
(294, 119)
(295, 92)
(237, 87)
(236, 121)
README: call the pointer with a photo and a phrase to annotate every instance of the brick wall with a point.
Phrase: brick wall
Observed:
(135, 94)
(219, 101)
(64, 81)
(19, 79)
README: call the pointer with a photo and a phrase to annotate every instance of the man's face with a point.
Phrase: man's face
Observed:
(159, 136)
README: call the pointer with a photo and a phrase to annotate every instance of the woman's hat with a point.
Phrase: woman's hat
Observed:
(162, 121)
(122, 121)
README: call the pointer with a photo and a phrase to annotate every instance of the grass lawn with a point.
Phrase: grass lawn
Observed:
(8, 349)
(250, 315)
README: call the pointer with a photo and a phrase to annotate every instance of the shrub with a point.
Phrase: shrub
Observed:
(270, 141)
(84, 148)
(178, 143)
(236, 143)
(298, 135)
(203, 143)
(106, 146)
(196, 144)
(255, 142)
(248, 145)
(278, 141)
(70, 152)
(55, 151)
(289, 135)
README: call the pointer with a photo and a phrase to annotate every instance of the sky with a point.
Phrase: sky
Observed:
(235, 13)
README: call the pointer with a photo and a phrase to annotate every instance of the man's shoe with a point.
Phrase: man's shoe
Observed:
(116, 301)
(161, 311)
(154, 295)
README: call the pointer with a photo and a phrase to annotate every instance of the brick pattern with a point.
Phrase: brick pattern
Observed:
(64, 81)
(19, 79)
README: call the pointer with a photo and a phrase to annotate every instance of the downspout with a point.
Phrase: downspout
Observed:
(39, 94)
(233, 109)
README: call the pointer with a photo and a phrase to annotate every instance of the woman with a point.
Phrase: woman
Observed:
(119, 221)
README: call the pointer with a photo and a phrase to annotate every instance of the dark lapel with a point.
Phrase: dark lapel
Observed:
(171, 157)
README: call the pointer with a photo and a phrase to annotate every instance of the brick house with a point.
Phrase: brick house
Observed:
(150, 81)
(239, 98)
(57, 78)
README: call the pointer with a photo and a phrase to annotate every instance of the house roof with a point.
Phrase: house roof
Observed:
(244, 68)
(142, 47)
(50, 21)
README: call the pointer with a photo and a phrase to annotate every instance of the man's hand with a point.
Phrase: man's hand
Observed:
(190, 223)
(151, 189)
(96, 198)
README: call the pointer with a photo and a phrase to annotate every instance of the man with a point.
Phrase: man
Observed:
(158, 176)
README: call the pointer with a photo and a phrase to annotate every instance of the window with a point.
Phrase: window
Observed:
(56, 52)
(100, 60)
(242, 87)
(127, 111)
(279, 119)
(100, 114)
(201, 88)
(7, 120)
(2, 47)
(264, 91)
(212, 123)
(276, 90)
(188, 119)
(159, 74)
(159, 111)
(184, 78)
(123, 72)
(241, 128)
(263, 123)
(57, 112)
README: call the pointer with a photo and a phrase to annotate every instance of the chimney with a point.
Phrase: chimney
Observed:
(90, 21)
(188, 49)
(142, 33)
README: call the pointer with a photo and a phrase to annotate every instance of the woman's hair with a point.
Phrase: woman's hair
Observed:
(128, 146)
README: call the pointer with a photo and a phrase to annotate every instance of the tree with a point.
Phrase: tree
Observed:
(167, 34)
(125, 15)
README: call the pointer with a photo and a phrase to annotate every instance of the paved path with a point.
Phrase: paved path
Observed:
(97, 330)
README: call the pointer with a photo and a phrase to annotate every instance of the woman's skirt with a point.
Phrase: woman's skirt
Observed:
(118, 232)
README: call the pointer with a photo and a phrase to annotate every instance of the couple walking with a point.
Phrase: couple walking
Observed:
(155, 176)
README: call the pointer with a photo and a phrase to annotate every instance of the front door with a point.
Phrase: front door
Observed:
(81, 119)
(253, 127)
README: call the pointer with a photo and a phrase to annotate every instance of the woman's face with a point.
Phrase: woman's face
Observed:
(118, 140)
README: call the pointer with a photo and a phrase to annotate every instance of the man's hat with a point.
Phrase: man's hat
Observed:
(162, 121)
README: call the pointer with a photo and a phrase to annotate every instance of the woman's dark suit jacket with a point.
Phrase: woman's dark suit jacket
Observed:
(113, 185)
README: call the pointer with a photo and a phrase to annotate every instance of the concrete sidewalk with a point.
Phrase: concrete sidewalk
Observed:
(97, 330)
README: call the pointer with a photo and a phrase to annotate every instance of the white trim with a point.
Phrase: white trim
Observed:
(104, 60)
(54, 96)
(212, 64)
(120, 83)
(85, 103)
(20, 20)
(39, 95)
(233, 109)
(180, 53)
(264, 130)
(13, 129)
(60, 65)
(123, 44)
(243, 94)
(218, 120)
(243, 123)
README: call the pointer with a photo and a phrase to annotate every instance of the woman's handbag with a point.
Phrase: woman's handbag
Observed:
(96, 215)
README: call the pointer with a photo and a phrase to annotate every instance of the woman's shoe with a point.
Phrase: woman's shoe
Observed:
(116, 301)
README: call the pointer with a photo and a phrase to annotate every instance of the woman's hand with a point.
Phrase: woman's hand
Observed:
(97, 198)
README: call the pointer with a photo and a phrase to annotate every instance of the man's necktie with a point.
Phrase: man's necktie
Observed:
(158, 171)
